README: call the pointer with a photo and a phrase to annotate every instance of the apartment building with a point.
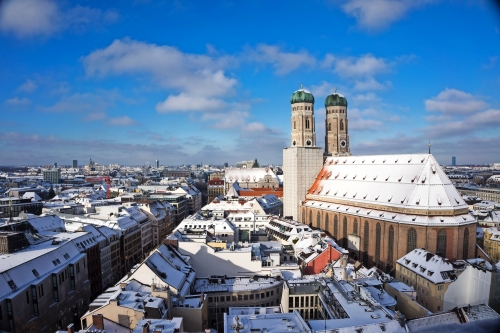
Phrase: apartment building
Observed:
(44, 286)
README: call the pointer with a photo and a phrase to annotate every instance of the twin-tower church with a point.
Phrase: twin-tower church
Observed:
(379, 207)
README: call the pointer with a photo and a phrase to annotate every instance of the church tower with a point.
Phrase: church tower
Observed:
(302, 160)
(303, 125)
(336, 126)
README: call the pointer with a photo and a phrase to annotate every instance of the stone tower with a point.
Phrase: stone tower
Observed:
(336, 126)
(303, 125)
(302, 160)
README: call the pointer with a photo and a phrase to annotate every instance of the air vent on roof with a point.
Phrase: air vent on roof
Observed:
(417, 201)
(422, 161)
(368, 212)
(376, 198)
(335, 192)
(337, 175)
(396, 161)
(394, 216)
(400, 178)
(456, 200)
(413, 179)
(344, 161)
(423, 179)
(373, 161)
(354, 177)
(383, 161)
(374, 178)
(363, 161)
(345, 176)
(389, 200)
(403, 200)
(365, 196)
(330, 162)
(327, 192)
(409, 160)
(387, 178)
(433, 168)
(364, 177)
(345, 193)
(439, 201)
(354, 195)
(441, 219)
(414, 218)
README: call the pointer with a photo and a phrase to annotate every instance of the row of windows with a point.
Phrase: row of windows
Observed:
(329, 127)
(226, 309)
(411, 237)
(222, 299)
(335, 111)
(296, 108)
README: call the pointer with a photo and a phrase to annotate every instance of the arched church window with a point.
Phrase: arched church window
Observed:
(366, 238)
(294, 125)
(327, 223)
(344, 231)
(318, 220)
(335, 227)
(307, 122)
(329, 127)
(441, 243)
(411, 243)
(390, 256)
(310, 217)
(355, 227)
(378, 232)
(341, 124)
(466, 244)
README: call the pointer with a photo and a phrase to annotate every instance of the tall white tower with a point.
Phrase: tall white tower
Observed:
(302, 160)
(336, 126)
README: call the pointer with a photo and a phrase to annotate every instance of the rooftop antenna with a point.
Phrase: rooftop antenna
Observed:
(429, 146)
(302, 86)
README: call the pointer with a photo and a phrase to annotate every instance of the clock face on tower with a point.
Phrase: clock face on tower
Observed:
(294, 143)
(308, 142)
(343, 143)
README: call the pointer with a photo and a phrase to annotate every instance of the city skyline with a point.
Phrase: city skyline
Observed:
(184, 82)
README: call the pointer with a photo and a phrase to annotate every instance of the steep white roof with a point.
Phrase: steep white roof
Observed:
(412, 185)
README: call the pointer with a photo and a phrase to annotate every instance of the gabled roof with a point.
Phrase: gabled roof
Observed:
(409, 184)
(430, 266)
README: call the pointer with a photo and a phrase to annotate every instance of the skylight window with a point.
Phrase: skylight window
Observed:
(12, 285)
(35, 272)
(66, 256)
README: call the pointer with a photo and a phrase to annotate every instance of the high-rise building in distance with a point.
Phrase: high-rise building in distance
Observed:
(157, 164)
(75, 164)
(453, 161)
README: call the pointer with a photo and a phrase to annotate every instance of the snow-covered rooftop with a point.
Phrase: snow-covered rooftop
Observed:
(412, 185)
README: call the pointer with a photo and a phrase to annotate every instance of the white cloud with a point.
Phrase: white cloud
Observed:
(227, 120)
(187, 102)
(478, 121)
(324, 89)
(283, 62)
(28, 86)
(86, 102)
(359, 120)
(370, 83)
(492, 62)
(379, 14)
(453, 101)
(366, 65)
(27, 18)
(198, 75)
(16, 101)
(121, 121)
(370, 97)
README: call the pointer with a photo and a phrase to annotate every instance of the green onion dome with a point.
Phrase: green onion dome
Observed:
(302, 96)
(335, 99)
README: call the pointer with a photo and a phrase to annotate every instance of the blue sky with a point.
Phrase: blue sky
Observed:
(196, 81)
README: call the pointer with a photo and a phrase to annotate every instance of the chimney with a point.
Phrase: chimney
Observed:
(145, 327)
(98, 321)
(71, 328)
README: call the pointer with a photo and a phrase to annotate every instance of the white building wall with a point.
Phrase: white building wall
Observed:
(232, 263)
(471, 287)
(300, 167)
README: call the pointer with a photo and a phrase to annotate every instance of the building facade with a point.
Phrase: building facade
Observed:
(302, 160)
(336, 126)
(382, 207)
